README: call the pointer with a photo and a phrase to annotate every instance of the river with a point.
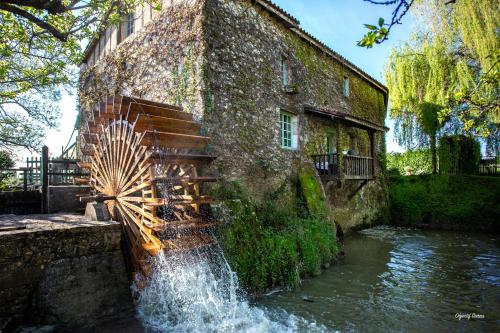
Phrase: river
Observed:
(394, 279)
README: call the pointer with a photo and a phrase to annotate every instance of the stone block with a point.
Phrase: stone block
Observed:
(63, 270)
(66, 198)
(97, 211)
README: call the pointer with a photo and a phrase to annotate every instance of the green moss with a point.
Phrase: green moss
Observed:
(365, 99)
(311, 190)
(269, 245)
(449, 202)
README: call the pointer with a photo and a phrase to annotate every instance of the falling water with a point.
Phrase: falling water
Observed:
(198, 292)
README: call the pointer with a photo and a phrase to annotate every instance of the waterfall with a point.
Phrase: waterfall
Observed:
(198, 292)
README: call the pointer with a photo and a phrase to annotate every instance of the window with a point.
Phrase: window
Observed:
(129, 25)
(345, 86)
(330, 142)
(284, 72)
(289, 131)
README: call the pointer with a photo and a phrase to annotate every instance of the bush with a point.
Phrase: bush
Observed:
(410, 162)
(6, 178)
(271, 246)
(459, 154)
(447, 202)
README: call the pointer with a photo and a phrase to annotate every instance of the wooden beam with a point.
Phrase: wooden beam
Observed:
(136, 109)
(87, 151)
(127, 100)
(84, 165)
(90, 138)
(194, 224)
(195, 159)
(184, 180)
(173, 140)
(163, 124)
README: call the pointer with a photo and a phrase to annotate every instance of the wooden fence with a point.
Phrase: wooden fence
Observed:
(327, 165)
(39, 173)
(489, 166)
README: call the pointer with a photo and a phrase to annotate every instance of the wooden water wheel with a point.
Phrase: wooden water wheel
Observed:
(145, 159)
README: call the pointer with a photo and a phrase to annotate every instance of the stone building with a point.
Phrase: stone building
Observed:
(271, 97)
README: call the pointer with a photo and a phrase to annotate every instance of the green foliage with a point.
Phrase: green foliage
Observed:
(449, 202)
(311, 192)
(452, 62)
(269, 245)
(375, 34)
(40, 44)
(6, 160)
(414, 162)
(459, 154)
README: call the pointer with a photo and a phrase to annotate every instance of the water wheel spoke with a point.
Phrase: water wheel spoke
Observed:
(137, 150)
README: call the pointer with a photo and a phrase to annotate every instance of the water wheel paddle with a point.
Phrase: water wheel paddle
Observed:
(146, 156)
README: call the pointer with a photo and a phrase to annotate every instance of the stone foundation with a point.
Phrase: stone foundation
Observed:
(62, 270)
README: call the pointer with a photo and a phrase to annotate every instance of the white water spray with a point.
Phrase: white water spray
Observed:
(198, 292)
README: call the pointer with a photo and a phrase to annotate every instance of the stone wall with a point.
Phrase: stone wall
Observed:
(221, 60)
(62, 270)
(66, 198)
(245, 94)
(162, 62)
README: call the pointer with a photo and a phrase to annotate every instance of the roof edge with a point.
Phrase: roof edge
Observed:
(294, 25)
(346, 117)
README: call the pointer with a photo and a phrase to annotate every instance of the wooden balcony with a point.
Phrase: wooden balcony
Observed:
(358, 167)
(353, 167)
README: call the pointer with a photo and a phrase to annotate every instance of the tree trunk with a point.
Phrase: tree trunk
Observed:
(434, 153)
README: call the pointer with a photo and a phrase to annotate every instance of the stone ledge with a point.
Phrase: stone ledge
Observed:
(44, 222)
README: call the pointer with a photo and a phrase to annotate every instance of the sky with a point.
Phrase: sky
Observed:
(337, 23)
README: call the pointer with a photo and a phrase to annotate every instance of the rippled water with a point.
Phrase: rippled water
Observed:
(394, 280)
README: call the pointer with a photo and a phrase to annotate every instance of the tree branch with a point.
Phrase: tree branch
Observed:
(42, 24)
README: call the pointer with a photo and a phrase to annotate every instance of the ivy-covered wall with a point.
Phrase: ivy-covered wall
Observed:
(221, 60)
(162, 62)
(245, 48)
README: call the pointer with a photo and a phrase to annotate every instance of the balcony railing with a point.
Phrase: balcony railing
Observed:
(353, 167)
(327, 165)
(357, 167)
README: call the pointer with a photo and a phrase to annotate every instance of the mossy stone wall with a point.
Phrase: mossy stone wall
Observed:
(162, 62)
(221, 60)
(245, 48)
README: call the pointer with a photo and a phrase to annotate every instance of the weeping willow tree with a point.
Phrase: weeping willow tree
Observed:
(448, 70)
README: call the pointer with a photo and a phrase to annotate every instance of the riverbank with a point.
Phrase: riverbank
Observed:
(462, 202)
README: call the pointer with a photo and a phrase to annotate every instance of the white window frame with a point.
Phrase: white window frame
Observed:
(289, 130)
(129, 24)
(345, 86)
